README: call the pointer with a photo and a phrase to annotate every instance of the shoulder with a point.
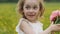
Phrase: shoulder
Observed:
(23, 23)
(24, 26)
(21, 20)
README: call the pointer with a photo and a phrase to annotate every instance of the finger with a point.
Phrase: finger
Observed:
(52, 22)
(57, 24)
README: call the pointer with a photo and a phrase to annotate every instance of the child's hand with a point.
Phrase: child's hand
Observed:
(55, 27)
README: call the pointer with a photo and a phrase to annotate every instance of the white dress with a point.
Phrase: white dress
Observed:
(37, 27)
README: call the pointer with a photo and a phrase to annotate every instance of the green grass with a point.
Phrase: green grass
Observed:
(9, 17)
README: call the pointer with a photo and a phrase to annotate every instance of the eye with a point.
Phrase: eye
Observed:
(35, 7)
(27, 7)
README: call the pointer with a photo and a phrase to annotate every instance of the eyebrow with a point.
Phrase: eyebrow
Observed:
(30, 5)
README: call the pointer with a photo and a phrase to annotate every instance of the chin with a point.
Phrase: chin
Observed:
(31, 19)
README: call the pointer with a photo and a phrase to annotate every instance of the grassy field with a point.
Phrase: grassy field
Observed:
(9, 17)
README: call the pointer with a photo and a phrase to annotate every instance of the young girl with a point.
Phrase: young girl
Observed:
(29, 24)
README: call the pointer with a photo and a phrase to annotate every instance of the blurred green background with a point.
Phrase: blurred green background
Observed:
(9, 17)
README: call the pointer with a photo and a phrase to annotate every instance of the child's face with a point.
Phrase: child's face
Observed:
(31, 9)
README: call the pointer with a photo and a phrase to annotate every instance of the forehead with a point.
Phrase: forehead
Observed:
(32, 2)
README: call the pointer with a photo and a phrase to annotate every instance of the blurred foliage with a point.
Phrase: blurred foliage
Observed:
(17, 0)
(8, 0)
(52, 0)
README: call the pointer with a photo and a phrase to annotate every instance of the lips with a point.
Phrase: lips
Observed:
(31, 15)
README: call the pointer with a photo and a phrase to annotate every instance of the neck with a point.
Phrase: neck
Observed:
(33, 21)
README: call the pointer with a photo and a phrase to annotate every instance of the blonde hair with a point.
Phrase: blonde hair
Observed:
(21, 4)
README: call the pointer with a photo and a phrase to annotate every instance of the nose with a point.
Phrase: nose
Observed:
(31, 10)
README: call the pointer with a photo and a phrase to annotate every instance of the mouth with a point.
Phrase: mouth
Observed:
(31, 15)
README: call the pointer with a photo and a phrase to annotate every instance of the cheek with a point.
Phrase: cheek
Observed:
(37, 12)
(25, 12)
